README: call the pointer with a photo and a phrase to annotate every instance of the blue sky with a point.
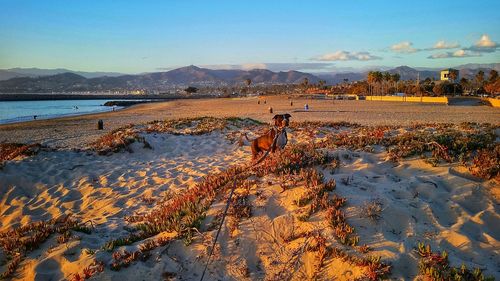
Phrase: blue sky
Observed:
(143, 36)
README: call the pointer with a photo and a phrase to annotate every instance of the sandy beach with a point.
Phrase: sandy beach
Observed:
(76, 132)
(342, 201)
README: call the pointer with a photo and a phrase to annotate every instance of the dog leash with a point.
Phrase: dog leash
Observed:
(218, 230)
(229, 203)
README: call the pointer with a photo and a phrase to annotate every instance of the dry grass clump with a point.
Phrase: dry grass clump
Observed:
(89, 271)
(18, 242)
(316, 196)
(187, 126)
(435, 266)
(124, 258)
(118, 140)
(335, 217)
(318, 244)
(10, 151)
(240, 208)
(486, 163)
(359, 137)
(372, 210)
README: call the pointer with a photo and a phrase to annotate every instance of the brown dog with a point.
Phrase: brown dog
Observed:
(264, 143)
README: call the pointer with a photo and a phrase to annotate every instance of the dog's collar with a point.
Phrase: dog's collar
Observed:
(279, 129)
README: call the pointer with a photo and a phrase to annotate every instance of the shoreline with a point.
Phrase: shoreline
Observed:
(45, 96)
(57, 116)
(110, 106)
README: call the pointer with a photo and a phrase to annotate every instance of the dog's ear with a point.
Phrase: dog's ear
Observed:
(276, 116)
(288, 115)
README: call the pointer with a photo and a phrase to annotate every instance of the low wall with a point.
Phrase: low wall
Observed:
(408, 99)
(494, 102)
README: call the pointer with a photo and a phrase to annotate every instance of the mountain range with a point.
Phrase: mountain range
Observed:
(34, 80)
(180, 77)
(6, 74)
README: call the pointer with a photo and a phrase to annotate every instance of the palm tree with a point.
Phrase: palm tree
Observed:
(453, 76)
(378, 77)
(464, 83)
(370, 78)
(386, 76)
(305, 82)
(248, 81)
(493, 76)
(395, 78)
(479, 79)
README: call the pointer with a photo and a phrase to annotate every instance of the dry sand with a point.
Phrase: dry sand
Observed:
(420, 203)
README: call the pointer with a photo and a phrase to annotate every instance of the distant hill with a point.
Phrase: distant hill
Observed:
(475, 66)
(36, 72)
(408, 73)
(6, 74)
(54, 83)
(336, 78)
(184, 76)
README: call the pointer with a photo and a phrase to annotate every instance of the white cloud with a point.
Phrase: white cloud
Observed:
(484, 45)
(250, 66)
(345, 56)
(440, 45)
(404, 47)
(485, 42)
(457, 54)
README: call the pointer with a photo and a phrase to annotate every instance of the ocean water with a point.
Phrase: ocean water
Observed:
(19, 111)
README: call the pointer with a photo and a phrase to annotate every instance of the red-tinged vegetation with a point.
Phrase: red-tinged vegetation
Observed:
(18, 242)
(198, 125)
(10, 151)
(375, 269)
(240, 208)
(118, 140)
(471, 144)
(124, 258)
(187, 126)
(486, 163)
(435, 266)
(89, 271)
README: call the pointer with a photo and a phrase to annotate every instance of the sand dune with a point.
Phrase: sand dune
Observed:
(417, 203)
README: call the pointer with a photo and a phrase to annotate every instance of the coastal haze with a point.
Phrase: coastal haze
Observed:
(129, 139)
